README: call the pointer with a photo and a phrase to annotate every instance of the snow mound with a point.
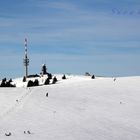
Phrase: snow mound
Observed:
(78, 108)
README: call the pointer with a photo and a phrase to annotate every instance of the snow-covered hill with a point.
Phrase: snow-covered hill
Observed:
(78, 108)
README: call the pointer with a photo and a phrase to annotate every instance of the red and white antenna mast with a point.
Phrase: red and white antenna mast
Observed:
(26, 60)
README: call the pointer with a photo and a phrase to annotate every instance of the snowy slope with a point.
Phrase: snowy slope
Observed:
(79, 108)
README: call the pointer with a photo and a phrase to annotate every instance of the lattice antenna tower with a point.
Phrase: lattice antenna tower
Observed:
(26, 60)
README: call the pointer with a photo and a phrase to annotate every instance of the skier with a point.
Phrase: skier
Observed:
(47, 94)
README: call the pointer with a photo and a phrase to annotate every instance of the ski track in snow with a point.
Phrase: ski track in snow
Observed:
(18, 102)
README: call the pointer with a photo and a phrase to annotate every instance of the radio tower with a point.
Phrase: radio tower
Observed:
(26, 60)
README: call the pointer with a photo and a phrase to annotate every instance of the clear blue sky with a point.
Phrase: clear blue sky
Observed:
(70, 36)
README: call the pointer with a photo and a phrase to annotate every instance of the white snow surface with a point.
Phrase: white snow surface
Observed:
(78, 108)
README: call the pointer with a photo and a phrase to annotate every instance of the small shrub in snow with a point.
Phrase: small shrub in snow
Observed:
(36, 82)
(47, 81)
(10, 80)
(30, 83)
(4, 80)
(64, 77)
(93, 77)
(54, 80)
(49, 75)
(24, 79)
(5, 83)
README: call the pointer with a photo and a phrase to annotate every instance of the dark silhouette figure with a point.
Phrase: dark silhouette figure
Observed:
(47, 94)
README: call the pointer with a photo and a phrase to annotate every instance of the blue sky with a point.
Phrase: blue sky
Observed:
(70, 36)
